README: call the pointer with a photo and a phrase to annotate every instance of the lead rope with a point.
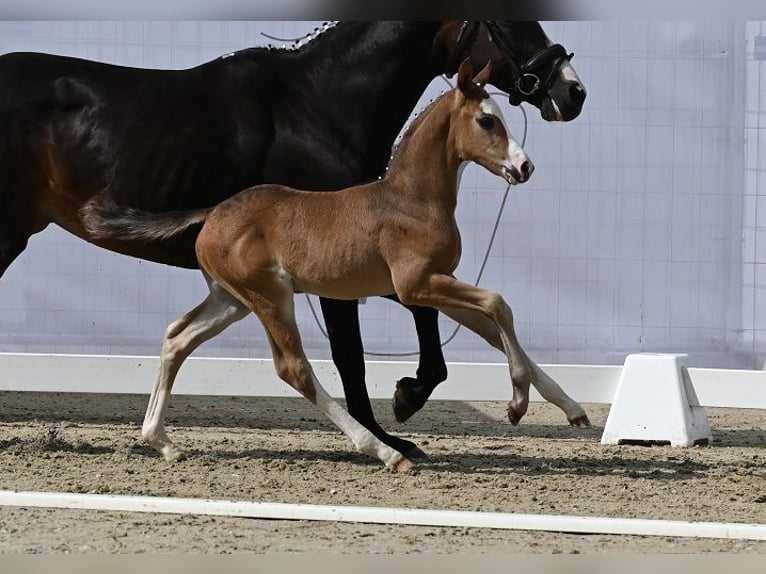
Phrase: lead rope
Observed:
(481, 268)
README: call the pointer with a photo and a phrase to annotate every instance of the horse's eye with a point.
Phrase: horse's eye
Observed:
(486, 122)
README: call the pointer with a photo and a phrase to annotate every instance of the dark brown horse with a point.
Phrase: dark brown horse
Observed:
(260, 247)
(160, 141)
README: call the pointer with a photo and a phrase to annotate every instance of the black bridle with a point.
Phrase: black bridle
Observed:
(529, 79)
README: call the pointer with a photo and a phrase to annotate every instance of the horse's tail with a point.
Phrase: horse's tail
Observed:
(103, 218)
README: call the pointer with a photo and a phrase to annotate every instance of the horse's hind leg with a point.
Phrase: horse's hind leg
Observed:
(342, 321)
(10, 249)
(278, 317)
(23, 187)
(19, 220)
(545, 385)
(212, 316)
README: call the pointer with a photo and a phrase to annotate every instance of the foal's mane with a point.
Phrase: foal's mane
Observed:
(417, 120)
(420, 117)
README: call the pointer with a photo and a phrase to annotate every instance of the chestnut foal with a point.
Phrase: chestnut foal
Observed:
(397, 234)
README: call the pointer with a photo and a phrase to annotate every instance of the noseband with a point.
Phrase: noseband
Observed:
(528, 75)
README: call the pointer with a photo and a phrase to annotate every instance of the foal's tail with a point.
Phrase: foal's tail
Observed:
(103, 218)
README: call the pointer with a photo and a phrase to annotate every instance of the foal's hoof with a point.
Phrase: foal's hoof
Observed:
(581, 422)
(515, 414)
(173, 454)
(407, 400)
(403, 465)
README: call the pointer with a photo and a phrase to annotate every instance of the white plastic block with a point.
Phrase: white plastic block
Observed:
(655, 403)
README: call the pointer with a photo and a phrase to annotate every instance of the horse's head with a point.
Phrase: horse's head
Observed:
(525, 64)
(480, 132)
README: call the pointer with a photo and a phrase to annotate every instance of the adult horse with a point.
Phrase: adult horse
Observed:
(166, 140)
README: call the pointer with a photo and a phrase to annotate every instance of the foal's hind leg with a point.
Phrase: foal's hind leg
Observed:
(213, 315)
(342, 321)
(545, 385)
(277, 314)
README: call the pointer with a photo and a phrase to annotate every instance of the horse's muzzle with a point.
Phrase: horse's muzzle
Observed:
(563, 106)
(520, 174)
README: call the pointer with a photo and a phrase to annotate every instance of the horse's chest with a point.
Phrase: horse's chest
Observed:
(445, 246)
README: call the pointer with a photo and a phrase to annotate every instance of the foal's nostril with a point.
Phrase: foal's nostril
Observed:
(526, 169)
(577, 93)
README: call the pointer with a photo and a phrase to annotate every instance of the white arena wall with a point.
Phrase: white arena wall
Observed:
(643, 228)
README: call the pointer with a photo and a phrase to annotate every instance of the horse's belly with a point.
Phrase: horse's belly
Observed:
(354, 283)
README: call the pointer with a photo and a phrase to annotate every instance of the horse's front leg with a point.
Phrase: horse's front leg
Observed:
(342, 322)
(412, 393)
(442, 291)
(545, 385)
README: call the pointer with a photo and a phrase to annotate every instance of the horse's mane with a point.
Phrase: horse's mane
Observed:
(320, 32)
(326, 30)
(301, 44)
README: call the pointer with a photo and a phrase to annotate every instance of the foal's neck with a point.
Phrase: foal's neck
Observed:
(426, 164)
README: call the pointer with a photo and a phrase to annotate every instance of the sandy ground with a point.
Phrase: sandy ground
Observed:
(283, 450)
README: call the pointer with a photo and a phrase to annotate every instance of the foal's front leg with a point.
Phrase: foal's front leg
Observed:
(440, 291)
(545, 385)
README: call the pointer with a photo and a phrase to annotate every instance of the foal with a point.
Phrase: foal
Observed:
(397, 234)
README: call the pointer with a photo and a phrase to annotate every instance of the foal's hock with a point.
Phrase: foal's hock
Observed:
(263, 245)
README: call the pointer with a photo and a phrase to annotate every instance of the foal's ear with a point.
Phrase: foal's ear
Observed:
(482, 77)
(470, 85)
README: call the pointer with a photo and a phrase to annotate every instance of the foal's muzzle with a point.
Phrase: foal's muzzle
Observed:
(519, 174)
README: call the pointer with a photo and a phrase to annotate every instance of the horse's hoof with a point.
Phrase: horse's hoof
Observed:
(415, 452)
(402, 411)
(173, 454)
(581, 422)
(406, 401)
(403, 465)
(514, 416)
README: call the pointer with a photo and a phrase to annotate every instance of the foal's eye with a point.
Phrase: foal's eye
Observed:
(486, 122)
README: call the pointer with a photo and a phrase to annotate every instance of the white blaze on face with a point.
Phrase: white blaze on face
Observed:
(516, 155)
(568, 74)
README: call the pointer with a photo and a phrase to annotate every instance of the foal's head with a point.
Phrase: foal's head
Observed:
(481, 134)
